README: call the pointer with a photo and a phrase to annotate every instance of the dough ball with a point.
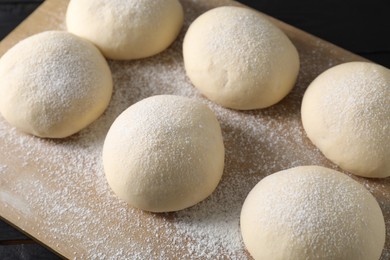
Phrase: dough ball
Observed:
(126, 29)
(238, 59)
(53, 84)
(164, 153)
(345, 113)
(311, 212)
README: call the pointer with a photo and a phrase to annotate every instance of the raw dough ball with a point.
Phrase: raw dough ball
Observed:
(238, 59)
(53, 84)
(345, 113)
(164, 153)
(126, 29)
(311, 212)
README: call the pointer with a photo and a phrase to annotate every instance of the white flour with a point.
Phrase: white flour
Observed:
(73, 210)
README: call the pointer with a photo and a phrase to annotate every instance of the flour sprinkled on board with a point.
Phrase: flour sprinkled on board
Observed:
(73, 210)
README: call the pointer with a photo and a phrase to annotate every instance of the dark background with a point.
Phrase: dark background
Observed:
(362, 27)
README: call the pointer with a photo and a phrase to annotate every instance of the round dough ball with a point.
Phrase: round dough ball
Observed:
(238, 59)
(164, 153)
(53, 84)
(311, 212)
(345, 113)
(129, 29)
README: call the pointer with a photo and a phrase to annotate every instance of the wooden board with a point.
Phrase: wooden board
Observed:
(55, 190)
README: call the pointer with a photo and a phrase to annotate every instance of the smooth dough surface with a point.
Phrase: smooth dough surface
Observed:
(345, 113)
(238, 59)
(311, 212)
(53, 84)
(125, 30)
(164, 153)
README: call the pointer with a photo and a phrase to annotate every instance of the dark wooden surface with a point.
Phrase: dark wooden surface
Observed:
(364, 30)
(15, 245)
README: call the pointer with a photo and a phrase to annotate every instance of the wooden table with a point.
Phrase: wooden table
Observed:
(14, 244)
(55, 190)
